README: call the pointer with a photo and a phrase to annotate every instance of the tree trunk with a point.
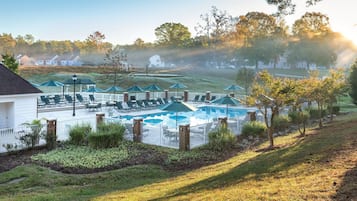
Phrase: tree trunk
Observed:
(331, 111)
(319, 106)
(271, 137)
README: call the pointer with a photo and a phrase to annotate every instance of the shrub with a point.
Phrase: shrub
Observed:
(79, 133)
(253, 128)
(107, 136)
(335, 109)
(33, 134)
(299, 117)
(221, 139)
(314, 113)
(281, 122)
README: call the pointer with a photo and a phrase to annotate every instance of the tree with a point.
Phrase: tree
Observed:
(287, 7)
(172, 35)
(313, 34)
(10, 62)
(117, 58)
(139, 43)
(312, 24)
(335, 85)
(95, 41)
(270, 94)
(316, 92)
(262, 37)
(214, 32)
(245, 77)
(353, 82)
(7, 43)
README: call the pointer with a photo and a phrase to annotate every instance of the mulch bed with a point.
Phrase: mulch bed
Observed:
(147, 156)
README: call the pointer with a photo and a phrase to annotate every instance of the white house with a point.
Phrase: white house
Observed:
(18, 99)
(155, 61)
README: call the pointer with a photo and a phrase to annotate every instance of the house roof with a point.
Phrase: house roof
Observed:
(11, 83)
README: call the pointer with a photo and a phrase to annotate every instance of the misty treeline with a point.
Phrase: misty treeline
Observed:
(221, 40)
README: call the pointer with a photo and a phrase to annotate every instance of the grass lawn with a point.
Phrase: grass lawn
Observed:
(321, 166)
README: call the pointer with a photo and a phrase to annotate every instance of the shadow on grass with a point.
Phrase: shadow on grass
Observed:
(311, 149)
(348, 187)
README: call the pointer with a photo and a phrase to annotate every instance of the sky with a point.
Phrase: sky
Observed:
(122, 22)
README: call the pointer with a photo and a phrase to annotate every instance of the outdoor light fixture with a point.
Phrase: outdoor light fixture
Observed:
(74, 78)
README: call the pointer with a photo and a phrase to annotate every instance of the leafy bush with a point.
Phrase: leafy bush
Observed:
(299, 117)
(107, 135)
(221, 139)
(253, 128)
(79, 133)
(314, 113)
(33, 134)
(84, 157)
(335, 109)
(281, 122)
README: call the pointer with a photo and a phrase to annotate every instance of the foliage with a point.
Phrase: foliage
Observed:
(335, 109)
(270, 94)
(215, 27)
(33, 133)
(84, 157)
(254, 128)
(353, 82)
(79, 133)
(107, 136)
(281, 122)
(10, 62)
(172, 35)
(315, 113)
(263, 37)
(287, 7)
(300, 118)
(221, 139)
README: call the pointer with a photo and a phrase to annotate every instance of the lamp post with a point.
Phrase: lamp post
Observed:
(74, 78)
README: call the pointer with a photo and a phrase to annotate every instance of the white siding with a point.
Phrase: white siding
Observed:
(23, 108)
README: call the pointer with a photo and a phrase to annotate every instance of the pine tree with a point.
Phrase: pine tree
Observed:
(10, 62)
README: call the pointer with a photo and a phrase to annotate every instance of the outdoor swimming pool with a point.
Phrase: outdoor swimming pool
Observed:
(203, 115)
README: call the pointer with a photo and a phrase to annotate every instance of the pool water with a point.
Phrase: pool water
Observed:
(203, 115)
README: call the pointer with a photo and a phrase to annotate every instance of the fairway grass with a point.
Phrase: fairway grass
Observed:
(309, 168)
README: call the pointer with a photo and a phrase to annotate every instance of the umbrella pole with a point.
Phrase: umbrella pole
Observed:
(227, 111)
(176, 120)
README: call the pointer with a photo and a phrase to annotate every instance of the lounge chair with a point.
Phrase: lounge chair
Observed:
(131, 105)
(140, 104)
(68, 98)
(146, 103)
(197, 97)
(213, 98)
(160, 101)
(165, 100)
(57, 99)
(91, 98)
(153, 102)
(79, 98)
(203, 98)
